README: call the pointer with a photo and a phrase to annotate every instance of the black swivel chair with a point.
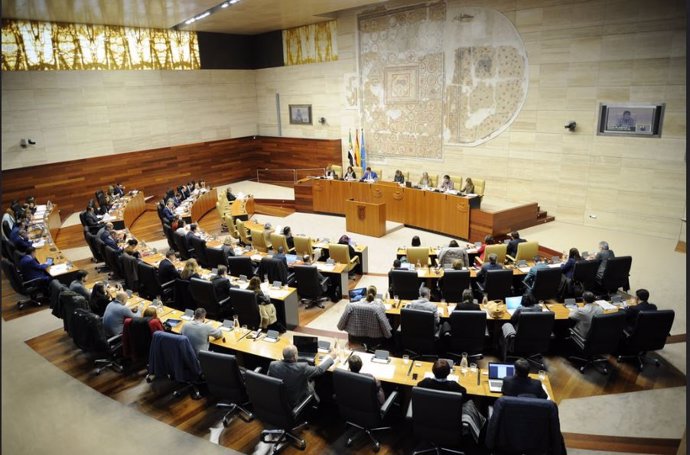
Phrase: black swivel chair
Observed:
(150, 286)
(246, 308)
(89, 336)
(546, 283)
(29, 288)
(172, 356)
(453, 283)
(182, 299)
(56, 289)
(404, 284)
(521, 425)
(112, 258)
(181, 245)
(498, 284)
(131, 273)
(204, 295)
(268, 396)
(467, 333)
(277, 270)
(70, 301)
(418, 332)
(224, 380)
(309, 287)
(198, 245)
(436, 418)
(585, 276)
(356, 395)
(100, 247)
(649, 333)
(531, 338)
(241, 265)
(616, 274)
(603, 337)
(216, 257)
(168, 232)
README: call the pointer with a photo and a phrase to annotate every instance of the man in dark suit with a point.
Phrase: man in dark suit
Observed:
(221, 283)
(297, 375)
(109, 237)
(521, 384)
(228, 194)
(22, 242)
(280, 255)
(91, 220)
(192, 233)
(514, 239)
(166, 269)
(490, 265)
(169, 211)
(441, 370)
(227, 248)
(119, 189)
(31, 269)
(603, 255)
(641, 296)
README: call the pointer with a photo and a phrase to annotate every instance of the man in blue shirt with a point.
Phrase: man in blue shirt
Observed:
(108, 237)
(31, 269)
(369, 176)
(539, 263)
(22, 243)
(491, 265)
(115, 314)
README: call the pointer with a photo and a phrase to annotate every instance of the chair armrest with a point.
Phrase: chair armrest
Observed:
(324, 281)
(115, 339)
(167, 284)
(408, 414)
(257, 370)
(478, 261)
(385, 407)
(576, 336)
(510, 258)
(224, 301)
(28, 283)
(297, 410)
(190, 250)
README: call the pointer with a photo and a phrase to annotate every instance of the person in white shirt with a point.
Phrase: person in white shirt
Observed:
(198, 331)
(584, 315)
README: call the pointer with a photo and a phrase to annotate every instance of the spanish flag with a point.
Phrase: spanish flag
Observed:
(358, 157)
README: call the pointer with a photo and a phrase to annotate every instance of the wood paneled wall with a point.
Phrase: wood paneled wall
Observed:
(71, 184)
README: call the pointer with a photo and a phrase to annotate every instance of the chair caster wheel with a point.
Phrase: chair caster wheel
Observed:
(377, 447)
(196, 396)
(606, 371)
(226, 422)
(98, 371)
(349, 442)
(301, 445)
(149, 378)
(582, 370)
(177, 394)
(619, 359)
(657, 363)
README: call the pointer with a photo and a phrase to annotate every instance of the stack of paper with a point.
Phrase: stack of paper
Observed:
(605, 305)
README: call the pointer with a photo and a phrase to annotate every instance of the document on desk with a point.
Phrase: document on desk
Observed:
(107, 217)
(524, 269)
(39, 243)
(379, 370)
(57, 269)
(605, 305)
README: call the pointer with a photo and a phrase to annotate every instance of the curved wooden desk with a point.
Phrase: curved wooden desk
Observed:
(203, 204)
(45, 228)
(242, 208)
(126, 211)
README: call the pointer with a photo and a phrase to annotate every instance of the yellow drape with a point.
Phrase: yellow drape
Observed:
(313, 43)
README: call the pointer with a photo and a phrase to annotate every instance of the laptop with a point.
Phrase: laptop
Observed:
(512, 304)
(357, 294)
(498, 371)
(307, 347)
(290, 258)
(478, 244)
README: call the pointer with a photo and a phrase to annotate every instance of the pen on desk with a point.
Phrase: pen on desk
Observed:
(410, 369)
(245, 335)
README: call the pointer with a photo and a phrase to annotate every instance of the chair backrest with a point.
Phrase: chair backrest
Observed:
(199, 253)
(500, 250)
(259, 241)
(498, 284)
(278, 240)
(418, 330)
(113, 260)
(173, 355)
(604, 333)
(100, 246)
(453, 283)
(245, 307)
(547, 281)
(149, 286)
(242, 231)
(12, 274)
(356, 395)
(467, 331)
(526, 251)
(337, 169)
(204, 295)
(404, 284)
(223, 378)
(70, 301)
(240, 265)
(524, 425)
(339, 253)
(181, 244)
(12, 253)
(87, 332)
(269, 399)
(585, 272)
(437, 416)
(650, 330)
(129, 267)
(168, 232)
(215, 257)
(303, 245)
(616, 273)
(276, 269)
(457, 182)
(308, 284)
(365, 320)
(230, 225)
(418, 254)
(93, 245)
(56, 289)
(479, 186)
(183, 299)
(533, 332)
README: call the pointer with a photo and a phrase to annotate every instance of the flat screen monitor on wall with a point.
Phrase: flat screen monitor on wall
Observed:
(641, 120)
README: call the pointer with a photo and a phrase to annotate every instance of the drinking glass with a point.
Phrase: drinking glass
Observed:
(406, 359)
(473, 368)
(542, 375)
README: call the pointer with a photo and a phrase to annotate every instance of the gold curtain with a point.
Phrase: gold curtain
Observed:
(31, 45)
(313, 43)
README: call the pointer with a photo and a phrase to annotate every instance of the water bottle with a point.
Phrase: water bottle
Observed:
(463, 364)
(236, 321)
(419, 265)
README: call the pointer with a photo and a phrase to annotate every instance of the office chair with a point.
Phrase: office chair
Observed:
(526, 251)
(341, 254)
(89, 336)
(278, 240)
(224, 380)
(531, 338)
(241, 265)
(198, 250)
(96, 252)
(467, 334)
(100, 247)
(497, 285)
(276, 270)
(546, 284)
(137, 333)
(453, 283)
(31, 288)
(309, 287)
(246, 308)
(404, 284)
(366, 324)
(268, 395)
(616, 274)
(112, 258)
(173, 356)
(437, 419)
(129, 267)
(649, 333)
(215, 257)
(181, 245)
(245, 238)
(56, 288)
(603, 338)
(204, 295)
(585, 276)
(303, 245)
(182, 299)
(418, 332)
(150, 286)
(69, 302)
(418, 255)
(356, 395)
(230, 226)
(520, 425)
(500, 250)
(168, 232)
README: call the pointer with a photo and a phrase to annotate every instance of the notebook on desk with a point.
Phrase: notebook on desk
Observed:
(498, 371)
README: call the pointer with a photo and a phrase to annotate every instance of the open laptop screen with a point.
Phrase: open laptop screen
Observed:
(512, 303)
(357, 294)
(306, 344)
(501, 370)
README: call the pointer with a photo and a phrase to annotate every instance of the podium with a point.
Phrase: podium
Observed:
(365, 218)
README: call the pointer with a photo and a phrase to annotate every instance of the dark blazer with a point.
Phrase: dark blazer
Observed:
(467, 306)
(632, 311)
(231, 197)
(108, 240)
(603, 256)
(280, 256)
(518, 386)
(296, 376)
(31, 269)
(90, 219)
(290, 242)
(222, 286)
(568, 268)
(167, 271)
(511, 250)
(168, 214)
(228, 251)
(187, 236)
(21, 244)
(446, 386)
(481, 275)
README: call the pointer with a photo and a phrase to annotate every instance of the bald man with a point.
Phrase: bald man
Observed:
(296, 375)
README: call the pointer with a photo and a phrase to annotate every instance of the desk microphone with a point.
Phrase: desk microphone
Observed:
(258, 332)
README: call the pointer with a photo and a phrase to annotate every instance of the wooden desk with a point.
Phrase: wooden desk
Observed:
(242, 208)
(440, 212)
(43, 228)
(365, 218)
(127, 209)
(203, 204)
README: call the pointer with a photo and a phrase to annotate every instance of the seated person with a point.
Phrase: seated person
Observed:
(449, 254)
(642, 304)
(99, 299)
(22, 242)
(289, 239)
(229, 196)
(198, 331)
(31, 269)
(155, 323)
(110, 237)
(425, 180)
(446, 184)
(192, 233)
(345, 240)
(469, 186)
(131, 248)
(521, 385)
(221, 283)
(397, 265)
(513, 240)
(369, 176)
(115, 314)
(468, 302)
(354, 362)
(424, 303)
(528, 304)
(166, 269)
(119, 189)
(191, 270)
(584, 315)
(331, 174)
(182, 228)
(280, 254)
(539, 263)
(227, 247)
(488, 240)
(399, 177)
(169, 211)
(603, 255)
(296, 375)
(78, 284)
(491, 264)
(568, 267)
(350, 174)
(91, 220)
(267, 311)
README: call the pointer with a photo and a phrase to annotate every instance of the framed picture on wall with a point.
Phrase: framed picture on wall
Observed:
(641, 120)
(300, 114)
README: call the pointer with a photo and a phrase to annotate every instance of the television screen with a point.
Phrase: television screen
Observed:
(631, 120)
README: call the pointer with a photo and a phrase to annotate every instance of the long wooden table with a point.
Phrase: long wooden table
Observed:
(127, 209)
(42, 228)
(439, 212)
